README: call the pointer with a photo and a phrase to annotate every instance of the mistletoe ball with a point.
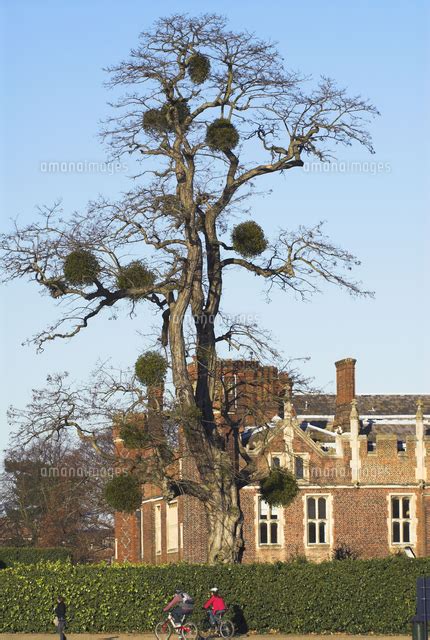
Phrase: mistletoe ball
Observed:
(155, 121)
(81, 267)
(279, 488)
(135, 276)
(162, 120)
(248, 239)
(133, 436)
(123, 493)
(199, 68)
(221, 135)
(151, 368)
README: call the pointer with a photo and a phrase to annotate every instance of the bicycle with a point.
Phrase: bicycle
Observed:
(223, 628)
(186, 630)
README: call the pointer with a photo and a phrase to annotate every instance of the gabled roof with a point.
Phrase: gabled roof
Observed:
(383, 405)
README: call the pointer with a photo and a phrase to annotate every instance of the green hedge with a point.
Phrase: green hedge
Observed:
(352, 596)
(9, 556)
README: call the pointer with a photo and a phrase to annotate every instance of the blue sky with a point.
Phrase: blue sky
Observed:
(52, 55)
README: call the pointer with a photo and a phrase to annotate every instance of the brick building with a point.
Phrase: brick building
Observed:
(362, 463)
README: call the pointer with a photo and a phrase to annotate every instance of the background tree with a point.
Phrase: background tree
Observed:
(207, 112)
(52, 495)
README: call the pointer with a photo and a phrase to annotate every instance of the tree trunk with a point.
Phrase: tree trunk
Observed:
(225, 526)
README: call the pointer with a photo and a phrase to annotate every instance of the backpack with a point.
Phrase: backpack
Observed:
(187, 599)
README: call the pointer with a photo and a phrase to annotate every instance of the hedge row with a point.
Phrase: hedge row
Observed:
(352, 596)
(10, 556)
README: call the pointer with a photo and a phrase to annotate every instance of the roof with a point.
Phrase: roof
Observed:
(321, 404)
(379, 414)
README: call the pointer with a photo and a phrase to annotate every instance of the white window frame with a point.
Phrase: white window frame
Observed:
(157, 527)
(268, 522)
(317, 520)
(141, 534)
(230, 383)
(412, 520)
(172, 529)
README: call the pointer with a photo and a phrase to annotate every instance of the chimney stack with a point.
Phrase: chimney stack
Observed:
(345, 390)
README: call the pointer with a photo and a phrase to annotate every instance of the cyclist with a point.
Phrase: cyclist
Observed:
(181, 605)
(215, 606)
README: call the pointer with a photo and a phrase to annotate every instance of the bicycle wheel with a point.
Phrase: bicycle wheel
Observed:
(205, 629)
(163, 630)
(189, 631)
(226, 629)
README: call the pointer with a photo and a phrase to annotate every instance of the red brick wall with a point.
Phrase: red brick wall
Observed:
(345, 389)
(359, 518)
(127, 536)
(194, 530)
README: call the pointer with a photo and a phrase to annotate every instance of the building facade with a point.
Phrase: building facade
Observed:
(362, 463)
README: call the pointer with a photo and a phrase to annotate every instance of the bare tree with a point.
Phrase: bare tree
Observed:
(208, 112)
(52, 495)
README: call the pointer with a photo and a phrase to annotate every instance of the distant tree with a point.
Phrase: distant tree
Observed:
(208, 112)
(52, 495)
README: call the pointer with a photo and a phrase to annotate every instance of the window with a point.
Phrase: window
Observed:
(299, 468)
(172, 526)
(317, 520)
(230, 392)
(276, 461)
(139, 519)
(268, 523)
(297, 464)
(158, 528)
(401, 520)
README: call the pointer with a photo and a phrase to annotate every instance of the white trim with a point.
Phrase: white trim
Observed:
(116, 549)
(420, 450)
(141, 534)
(325, 487)
(175, 548)
(354, 443)
(365, 416)
(157, 499)
(157, 530)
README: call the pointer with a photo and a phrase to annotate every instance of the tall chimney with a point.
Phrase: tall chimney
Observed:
(345, 390)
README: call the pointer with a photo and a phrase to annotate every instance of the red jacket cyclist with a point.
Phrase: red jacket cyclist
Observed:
(215, 606)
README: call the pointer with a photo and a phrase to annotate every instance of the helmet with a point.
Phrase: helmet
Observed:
(178, 590)
(214, 589)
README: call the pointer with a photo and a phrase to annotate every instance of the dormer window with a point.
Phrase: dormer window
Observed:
(276, 462)
(299, 468)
